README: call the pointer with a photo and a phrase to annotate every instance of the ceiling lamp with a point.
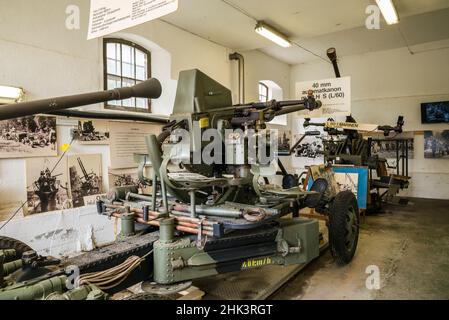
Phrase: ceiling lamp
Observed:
(272, 34)
(388, 11)
(10, 94)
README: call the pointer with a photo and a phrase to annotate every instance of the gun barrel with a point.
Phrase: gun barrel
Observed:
(309, 104)
(86, 176)
(150, 89)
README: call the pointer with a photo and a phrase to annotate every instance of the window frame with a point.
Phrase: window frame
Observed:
(267, 90)
(106, 41)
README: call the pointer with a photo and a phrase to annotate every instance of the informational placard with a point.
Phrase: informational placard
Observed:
(127, 139)
(335, 95)
(109, 16)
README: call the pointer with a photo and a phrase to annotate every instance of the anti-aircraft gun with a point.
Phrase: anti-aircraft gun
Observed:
(214, 207)
(351, 147)
(227, 200)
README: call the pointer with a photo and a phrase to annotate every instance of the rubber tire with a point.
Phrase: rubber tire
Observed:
(337, 227)
(10, 243)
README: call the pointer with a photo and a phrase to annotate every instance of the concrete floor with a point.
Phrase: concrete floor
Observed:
(409, 244)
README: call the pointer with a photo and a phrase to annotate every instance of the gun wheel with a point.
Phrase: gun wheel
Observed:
(344, 227)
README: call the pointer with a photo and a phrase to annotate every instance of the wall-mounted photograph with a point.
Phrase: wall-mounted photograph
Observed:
(435, 112)
(284, 141)
(91, 132)
(33, 136)
(389, 148)
(122, 178)
(436, 144)
(311, 147)
(129, 177)
(85, 176)
(47, 185)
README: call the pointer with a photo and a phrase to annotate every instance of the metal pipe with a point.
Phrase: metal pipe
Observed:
(241, 65)
(192, 204)
(210, 211)
(164, 195)
(150, 88)
(154, 191)
(137, 196)
(177, 227)
(226, 195)
(155, 154)
(332, 55)
(146, 213)
(108, 116)
(156, 215)
(406, 156)
(184, 224)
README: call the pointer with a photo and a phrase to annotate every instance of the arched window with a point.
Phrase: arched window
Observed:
(263, 92)
(126, 64)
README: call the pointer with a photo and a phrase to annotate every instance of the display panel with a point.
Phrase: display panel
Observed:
(435, 112)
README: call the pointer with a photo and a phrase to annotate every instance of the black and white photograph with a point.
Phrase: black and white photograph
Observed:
(91, 132)
(123, 178)
(33, 136)
(436, 144)
(387, 148)
(85, 176)
(47, 185)
(284, 141)
(310, 147)
(128, 177)
(308, 152)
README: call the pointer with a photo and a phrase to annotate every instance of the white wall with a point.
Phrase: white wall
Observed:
(39, 54)
(391, 83)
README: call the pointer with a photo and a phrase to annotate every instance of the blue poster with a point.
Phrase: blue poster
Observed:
(362, 182)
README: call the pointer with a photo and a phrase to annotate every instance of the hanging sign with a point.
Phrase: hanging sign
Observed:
(109, 16)
(335, 95)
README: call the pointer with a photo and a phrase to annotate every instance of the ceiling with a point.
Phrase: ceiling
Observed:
(315, 25)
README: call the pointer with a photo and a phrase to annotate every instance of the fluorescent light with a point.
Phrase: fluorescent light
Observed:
(272, 34)
(388, 11)
(10, 94)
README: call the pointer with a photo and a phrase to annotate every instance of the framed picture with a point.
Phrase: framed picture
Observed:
(436, 144)
(47, 185)
(284, 142)
(91, 132)
(389, 148)
(85, 177)
(33, 136)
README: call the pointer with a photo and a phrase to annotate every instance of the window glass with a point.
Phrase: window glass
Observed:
(126, 64)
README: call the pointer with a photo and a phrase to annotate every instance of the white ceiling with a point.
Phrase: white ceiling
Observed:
(314, 24)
